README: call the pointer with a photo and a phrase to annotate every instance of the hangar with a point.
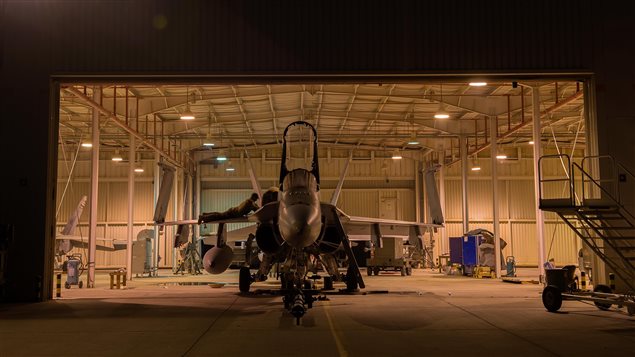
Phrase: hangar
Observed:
(373, 94)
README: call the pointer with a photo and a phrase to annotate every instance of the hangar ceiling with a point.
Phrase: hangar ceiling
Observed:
(367, 116)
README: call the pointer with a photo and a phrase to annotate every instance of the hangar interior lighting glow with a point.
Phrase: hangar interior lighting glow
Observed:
(531, 142)
(187, 114)
(116, 156)
(221, 156)
(501, 156)
(87, 144)
(138, 168)
(396, 155)
(413, 139)
(441, 113)
(478, 84)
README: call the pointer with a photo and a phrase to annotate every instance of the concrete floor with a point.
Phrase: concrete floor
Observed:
(424, 314)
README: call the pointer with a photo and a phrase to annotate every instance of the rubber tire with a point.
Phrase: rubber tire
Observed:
(602, 289)
(376, 270)
(403, 271)
(552, 298)
(328, 283)
(81, 284)
(244, 280)
(67, 285)
(369, 271)
(408, 271)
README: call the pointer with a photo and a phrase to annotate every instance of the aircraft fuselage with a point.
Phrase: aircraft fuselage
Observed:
(299, 215)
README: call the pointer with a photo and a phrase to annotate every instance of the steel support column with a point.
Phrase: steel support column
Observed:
(540, 218)
(445, 249)
(155, 241)
(464, 167)
(131, 166)
(94, 190)
(496, 224)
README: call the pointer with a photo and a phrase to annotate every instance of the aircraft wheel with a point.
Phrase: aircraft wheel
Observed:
(403, 271)
(376, 270)
(369, 271)
(408, 271)
(67, 285)
(552, 298)
(602, 289)
(81, 284)
(244, 280)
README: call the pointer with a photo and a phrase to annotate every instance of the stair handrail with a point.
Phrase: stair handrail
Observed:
(574, 165)
(612, 179)
(569, 175)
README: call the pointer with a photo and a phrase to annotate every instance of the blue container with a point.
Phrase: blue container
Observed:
(470, 250)
(456, 250)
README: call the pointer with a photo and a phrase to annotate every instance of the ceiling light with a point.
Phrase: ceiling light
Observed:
(396, 155)
(531, 142)
(221, 156)
(441, 113)
(413, 140)
(138, 169)
(501, 156)
(87, 144)
(230, 167)
(116, 157)
(478, 84)
(208, 141)
(187, 114)
(476, 168)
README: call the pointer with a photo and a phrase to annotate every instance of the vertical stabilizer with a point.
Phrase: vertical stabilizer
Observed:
(69, 228)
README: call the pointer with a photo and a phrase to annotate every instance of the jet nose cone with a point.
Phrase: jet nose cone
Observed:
(301, 225)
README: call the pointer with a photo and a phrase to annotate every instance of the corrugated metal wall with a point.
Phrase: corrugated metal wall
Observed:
(515, 186)
(265, 36)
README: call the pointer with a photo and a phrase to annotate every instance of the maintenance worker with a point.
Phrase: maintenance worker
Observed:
(551, 264)
(242, 209)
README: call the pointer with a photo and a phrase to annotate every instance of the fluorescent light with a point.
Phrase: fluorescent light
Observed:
(87, 144)
(531, 142)
(230, 168)
(476, 168)
(501, 156)
(138, 169)
(116, 157)
(208, 143)
(396, 155)
(478, 84)
(413, 140)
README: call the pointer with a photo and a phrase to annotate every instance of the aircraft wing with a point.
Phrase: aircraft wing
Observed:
(232, 235)
(78, 241)
(361, 228)
(265, 213)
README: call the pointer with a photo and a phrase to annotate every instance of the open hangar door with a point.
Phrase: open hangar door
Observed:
(190, 126)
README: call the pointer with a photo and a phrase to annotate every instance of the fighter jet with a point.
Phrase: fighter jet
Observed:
(66, 239)
(297, 230)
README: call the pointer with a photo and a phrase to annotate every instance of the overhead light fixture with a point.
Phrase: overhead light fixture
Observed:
(187, 114)
(475, 165)
(116, 156)
(501, 156)
(87, 144)
(531, 142)
(413, 139)
(478, 84)
(441, 113)
(138, 169)
(476, 168)
(230, 167)
(208, 141)
(221, 156)
(396, 155)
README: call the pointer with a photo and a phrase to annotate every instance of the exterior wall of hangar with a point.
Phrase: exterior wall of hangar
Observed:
(41, 41)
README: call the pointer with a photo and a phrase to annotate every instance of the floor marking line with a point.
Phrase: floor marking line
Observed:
(338, 341)
(502, 329)
(209, 327)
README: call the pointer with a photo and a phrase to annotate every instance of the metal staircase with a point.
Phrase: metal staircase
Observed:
(592, 207)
